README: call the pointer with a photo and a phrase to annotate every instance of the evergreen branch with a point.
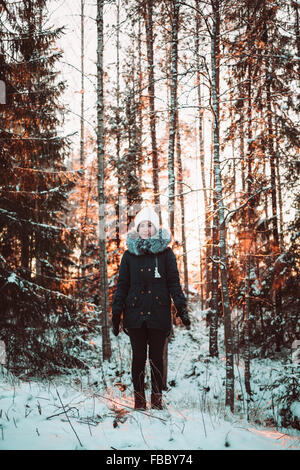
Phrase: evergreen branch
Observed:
(49, 171)
(40, 138)
(44, 226)
(13, 277)
(37, 193)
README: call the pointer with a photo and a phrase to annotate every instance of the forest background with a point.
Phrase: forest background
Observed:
(189, 106)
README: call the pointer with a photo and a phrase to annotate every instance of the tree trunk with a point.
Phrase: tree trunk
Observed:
(247, 240)
(271, 151)
(175, 5)
(181, 200)
(118, 135)
(151, 91)
(279, 191)
(214, 300)
(82, 162)
(207, 229)
(140, 103)
(104, 304)
(296, 6)
(215, 54)
(242, 151)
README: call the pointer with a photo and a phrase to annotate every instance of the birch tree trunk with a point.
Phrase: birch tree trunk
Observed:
(279, 191)
(175, 5)
(207, 227)
(140, 127)
(38, 215)
(297, 29)
(247, 241)
(242, 150)
(118, 131)
(214, 300)
(104, 301)
(271, 151)
(181, 200)
(151, 92)
(215, 55)
(172, 135)
(82, 178)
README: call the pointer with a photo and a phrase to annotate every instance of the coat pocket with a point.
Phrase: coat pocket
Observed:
(133, 300)
(162, 297)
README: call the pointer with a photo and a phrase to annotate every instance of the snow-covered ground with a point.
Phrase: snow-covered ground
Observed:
(94, 411)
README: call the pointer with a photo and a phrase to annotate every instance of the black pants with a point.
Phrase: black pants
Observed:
(140, 338)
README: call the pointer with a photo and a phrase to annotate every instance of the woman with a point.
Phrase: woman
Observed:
(148, 275)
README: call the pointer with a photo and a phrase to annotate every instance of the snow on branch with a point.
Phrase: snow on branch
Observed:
(14, 278)
(14, 216)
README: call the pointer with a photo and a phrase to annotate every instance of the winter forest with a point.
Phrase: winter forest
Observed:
(189, 106)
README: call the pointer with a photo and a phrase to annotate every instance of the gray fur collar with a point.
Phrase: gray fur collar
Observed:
(153, 245)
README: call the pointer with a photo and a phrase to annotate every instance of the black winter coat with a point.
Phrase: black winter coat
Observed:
(141, 295)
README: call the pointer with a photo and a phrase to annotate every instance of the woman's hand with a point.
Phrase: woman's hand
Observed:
(116, 330)
(184, 316)
(116, 325)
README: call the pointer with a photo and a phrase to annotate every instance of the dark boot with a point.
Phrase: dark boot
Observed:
(139, 401)
(156, 401)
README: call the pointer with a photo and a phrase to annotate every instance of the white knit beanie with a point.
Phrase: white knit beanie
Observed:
(147, 213)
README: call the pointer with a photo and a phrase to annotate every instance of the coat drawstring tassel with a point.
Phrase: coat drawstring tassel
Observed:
(156, 273)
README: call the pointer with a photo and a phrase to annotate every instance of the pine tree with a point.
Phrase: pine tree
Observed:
(265, 76)
(38, 315)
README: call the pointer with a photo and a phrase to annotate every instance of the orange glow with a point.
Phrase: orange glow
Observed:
(246, 240)
(292, 442)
